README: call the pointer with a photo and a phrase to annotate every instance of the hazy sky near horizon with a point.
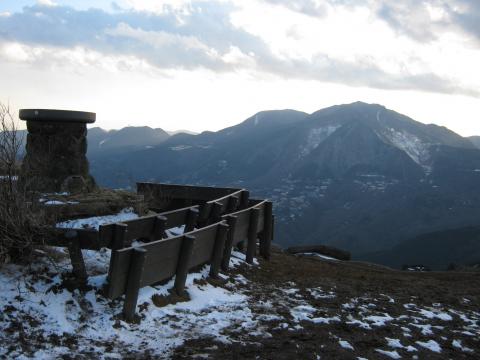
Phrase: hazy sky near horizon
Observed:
(208, 64)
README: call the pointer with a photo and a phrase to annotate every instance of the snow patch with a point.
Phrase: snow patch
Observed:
(431, 345)
(458, 344)
(96, 221)
(316, 137)
(390, 354)
(378, 320)
(415, 148)
(346, 345)
(180, 147)
(92, 320)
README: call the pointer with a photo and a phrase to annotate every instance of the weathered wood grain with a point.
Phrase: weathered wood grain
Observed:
(134, 280)
(186, 253)
(218, 247)
(252, 234)
(231, 222)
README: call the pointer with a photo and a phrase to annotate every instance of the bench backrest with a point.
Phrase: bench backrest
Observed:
(161, 259)
(162, 197)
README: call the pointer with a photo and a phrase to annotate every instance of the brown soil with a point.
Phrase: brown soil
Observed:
(384, 289)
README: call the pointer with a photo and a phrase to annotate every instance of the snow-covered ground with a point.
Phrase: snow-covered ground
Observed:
(40, 318)
(35, 302)
(96, 221)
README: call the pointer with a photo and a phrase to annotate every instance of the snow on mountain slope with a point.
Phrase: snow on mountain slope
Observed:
(415, 148)
(315, 138)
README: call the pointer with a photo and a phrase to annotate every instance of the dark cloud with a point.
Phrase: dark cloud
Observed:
(200, 38)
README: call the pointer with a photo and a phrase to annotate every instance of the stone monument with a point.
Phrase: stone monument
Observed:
(56, 159)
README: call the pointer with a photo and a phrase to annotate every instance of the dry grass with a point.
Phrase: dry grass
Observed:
(23, 224)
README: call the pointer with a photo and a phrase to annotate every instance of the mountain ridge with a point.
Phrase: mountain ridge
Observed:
(356, 176)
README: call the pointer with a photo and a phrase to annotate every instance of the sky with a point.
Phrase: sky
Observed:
(208, 64)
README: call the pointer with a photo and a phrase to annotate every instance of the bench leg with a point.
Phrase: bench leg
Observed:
(133, 283)
(76, 257)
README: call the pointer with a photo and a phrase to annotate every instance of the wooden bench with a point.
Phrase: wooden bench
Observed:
(135, 267)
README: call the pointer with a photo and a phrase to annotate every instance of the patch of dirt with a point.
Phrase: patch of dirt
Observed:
(345, 298)
(172, 298)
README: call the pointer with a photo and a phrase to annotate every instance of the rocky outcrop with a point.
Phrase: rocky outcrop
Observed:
(322, 250)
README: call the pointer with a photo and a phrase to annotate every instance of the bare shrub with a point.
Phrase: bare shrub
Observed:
(23, 224)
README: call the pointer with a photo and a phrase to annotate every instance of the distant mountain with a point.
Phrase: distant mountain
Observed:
(357, 176)
(436, 250)
(175, 132)
(103, 142)
(475, 141)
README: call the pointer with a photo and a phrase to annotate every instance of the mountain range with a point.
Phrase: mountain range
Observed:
(359, 176)
(103, 142)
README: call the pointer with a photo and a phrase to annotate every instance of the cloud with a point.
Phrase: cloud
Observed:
(425, 20)
(467, 16)
(199, 36)
(315, 8)
(422, 20)
(171, 39)
(364, 72)
(46, 3)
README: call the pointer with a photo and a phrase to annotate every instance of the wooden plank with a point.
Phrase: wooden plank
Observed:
(133, 282)
(188, 243)
(252, 235)
(87, 238)
(177, 217)
(140, 228)
(244, 199)
(120, 236)
(232, 204)
(231, 222)
(144, 227)
(76, 257)
(162, 259)
(204, 214)
(268, 230)
(168, 191)
(219, 245)
(252, 204)
(161, 264)
(240, 232)
(226, 199)
(241, 229)
(191, 221)
(204, 245)
(159, 228)
(216, 213)
(118, 272)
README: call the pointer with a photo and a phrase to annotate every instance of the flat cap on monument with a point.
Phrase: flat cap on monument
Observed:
(57, 115)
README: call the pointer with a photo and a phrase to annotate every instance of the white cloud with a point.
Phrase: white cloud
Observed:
(46, 3)
(162, 6)
(241, 56)
(158, 39)
(77, 59)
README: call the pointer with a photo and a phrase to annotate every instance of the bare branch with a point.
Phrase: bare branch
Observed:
(23, 224)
